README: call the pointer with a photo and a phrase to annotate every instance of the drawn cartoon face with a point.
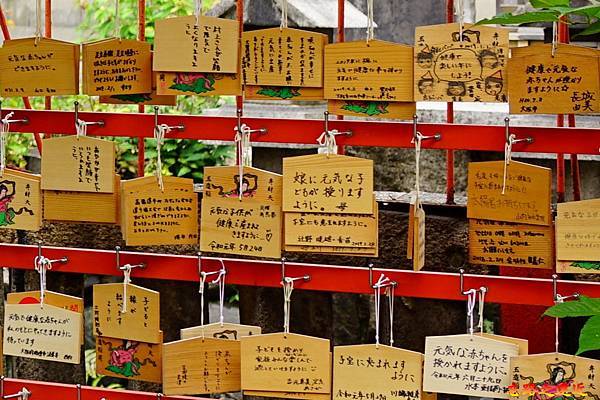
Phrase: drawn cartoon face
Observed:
(488, 59)
(3, 191)
(425, 60)
(425, 86)
(456, 89)
(558, 375)
(226, 334)
(493, 86)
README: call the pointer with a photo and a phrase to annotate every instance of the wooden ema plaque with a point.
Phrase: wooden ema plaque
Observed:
(201, 365)
(122, 358)
(283, 57)
(20, 201)
(338, 251)
(372, 109)
(328, 184)
(199, 84)
(48, 68)
(78, 164)
(376, 372)
(251, 226)
(140, 322)
(154, 217)
(554, 375)
(578, 234)
(54, 299)
(526, 199)
(150, 98)
(468, 365)
(183, 46)
(378, 70)
(116, 67)
(522, 344)
(283, 93)
(220, 331)
(509, 244)
(279, 362)
(49, 333)
(448, 69)
(98, 208)
(566, 83)
(288, 395)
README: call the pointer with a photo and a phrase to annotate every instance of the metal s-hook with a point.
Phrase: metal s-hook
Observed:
(243, 128)
(126, 266)
(512, 139)
(462, 284)
(373, 285)
(203, 275)
(558, 298)
(81, 125)
(8, 120)
(286, 279)
(78, 387)
(23, 394)
(59, 260)
(165, 127)
(418, 135)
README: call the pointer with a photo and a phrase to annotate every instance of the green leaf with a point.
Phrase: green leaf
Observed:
(591, 11)
(184, 171)
(590, 30)
(589, 338)
(525, 18)
(549, 3)
(582, 307)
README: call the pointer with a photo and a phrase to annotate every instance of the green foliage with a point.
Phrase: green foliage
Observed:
(589, 338)
(95, 379)
(589, 265)
(551, 11)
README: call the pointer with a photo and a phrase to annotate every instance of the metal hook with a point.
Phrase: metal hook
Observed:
(79, 122)
(220, 272)
(334, 132)
(285, 279)
(372, 285)
(23, 394)
(418, 135)
(24, 121)
(462, 284)
(557, 297)
(46, 260)
(243, 128)
(180, 128)
(126, 266)
(512, 139)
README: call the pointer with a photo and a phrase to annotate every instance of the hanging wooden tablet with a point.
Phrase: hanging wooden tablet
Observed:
(509, 244)
(201, 365)
(199, 84)
(283, 57)
(377, 70)
(182, 45)
(46, 68)
(328, 184)
(450, 69)
(338, 251)
(254, 92)
(279, 362)
(152, 98)
(554, 375)
(578, 235)
(375, 109)
(99, 208)
(48, 333)
(140, 322)
(54, 299)
(567, 82)
(251, 226)
(129, 359)
(526, 199)
(20, 201)
(468, 365)
(220, 331)
(155, 217)
(116, 67)
(376, 372)
(522, 344)
(80, 164)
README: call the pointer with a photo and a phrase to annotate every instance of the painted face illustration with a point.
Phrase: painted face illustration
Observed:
(456, 89)
(3, 191)
(426, 86)
(425, 60)
(493, 86)
(488, 59)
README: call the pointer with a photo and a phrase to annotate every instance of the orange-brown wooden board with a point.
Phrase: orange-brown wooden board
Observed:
(20, 201)
(182, 45)
(509, 244)
(450, 69)
(578, 231)
(567, 82)
(116, 67)
(377, 70)
(282, 57)
(527, 195)
(47, 68)
(374, 109)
